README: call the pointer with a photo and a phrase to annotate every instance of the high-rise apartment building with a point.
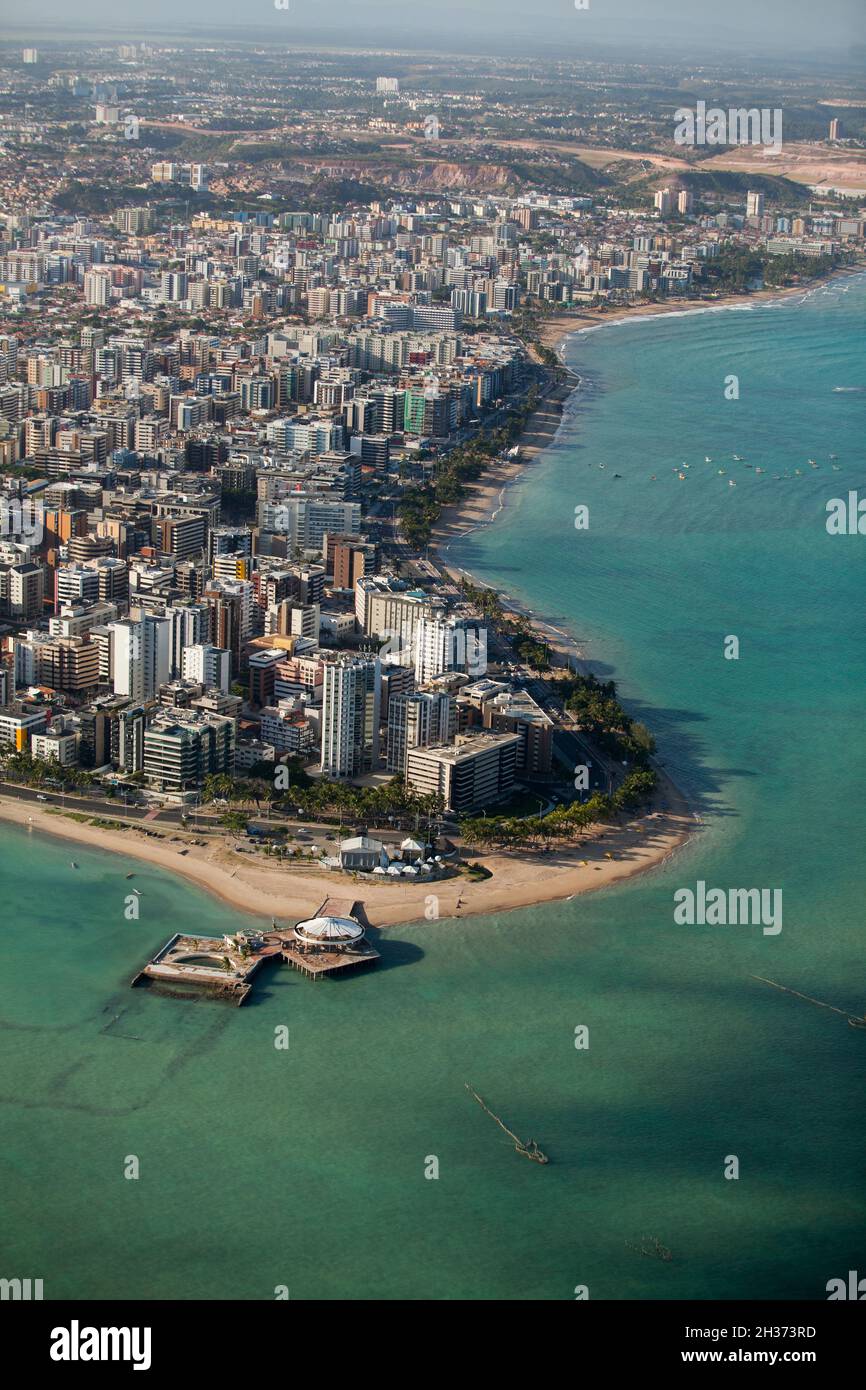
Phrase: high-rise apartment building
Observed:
(350, 715)
(140, 656)
(416, 721)
(210, 666)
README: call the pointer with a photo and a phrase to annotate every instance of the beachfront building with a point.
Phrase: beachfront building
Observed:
(515, 711)
(55, 746)
(350, 715)
(470, 774)
(181, 749)
(19, 721)
(362, 854)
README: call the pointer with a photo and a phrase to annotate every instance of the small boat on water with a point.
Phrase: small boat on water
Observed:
(136, 892)
(738, 458)
(707, 458)
(130, 875)
(72, 864)
(857, 1022)
(759, 470)
(731, 483)
(617, 475)
(682, 477)
(722, 472)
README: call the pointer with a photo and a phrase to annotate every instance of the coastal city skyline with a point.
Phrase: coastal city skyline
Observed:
(422, 468)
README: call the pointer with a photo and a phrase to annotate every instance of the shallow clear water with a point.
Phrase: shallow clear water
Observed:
(306, 1168)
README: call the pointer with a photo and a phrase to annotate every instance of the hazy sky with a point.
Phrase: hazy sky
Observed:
(695, 24)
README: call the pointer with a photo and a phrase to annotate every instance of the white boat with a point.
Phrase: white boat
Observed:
(737, 458)
(72, 864)
(707, 458)
(731, 483)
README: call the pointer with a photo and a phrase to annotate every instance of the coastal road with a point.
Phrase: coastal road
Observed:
(603, 773)
(197, 817)
(92, 805)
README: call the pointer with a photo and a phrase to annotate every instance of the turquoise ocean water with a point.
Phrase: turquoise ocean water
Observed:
(306, 1168)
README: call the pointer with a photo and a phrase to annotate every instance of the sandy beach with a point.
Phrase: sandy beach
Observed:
(264, 890)
(487, 496)
(254, 885)
(606, 855)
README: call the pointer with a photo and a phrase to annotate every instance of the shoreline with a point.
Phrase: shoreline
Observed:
(487, 496)
(556, 331)
(253, 886)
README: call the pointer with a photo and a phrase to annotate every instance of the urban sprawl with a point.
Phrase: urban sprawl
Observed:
(237, 396)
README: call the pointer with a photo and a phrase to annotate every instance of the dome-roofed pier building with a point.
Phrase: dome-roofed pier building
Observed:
(329, 943)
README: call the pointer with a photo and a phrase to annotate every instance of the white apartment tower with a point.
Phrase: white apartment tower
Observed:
(350, 715)
(417, 721)
(190, 627)
(211, 666)
(140, 656)
(446, 644)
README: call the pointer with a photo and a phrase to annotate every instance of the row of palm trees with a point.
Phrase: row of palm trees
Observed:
(562, 825)
(20, 766)
(323, 799)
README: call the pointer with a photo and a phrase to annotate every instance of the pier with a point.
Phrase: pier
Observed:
(326, 953)
(223, 967)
